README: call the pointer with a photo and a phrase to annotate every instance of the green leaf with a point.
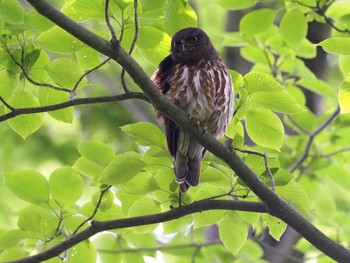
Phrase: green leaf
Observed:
(256, 81)
(344, 65)
(97, 152)
(257, 21)
(276, 226)
(293, 27)
(207, 218)
(13, 254)
(146, 133)
(336, 45)
(277, 101)
(178, 14)
(153, 43)
(11, 11)
(88, 58)
(318, 86)
(8, 84)
(344, 96)
(12, 238)
(142, 183)
(59, 41)
(142, 207)
(265, 128)
(38, 21)
(82, 252)
(26, 124)
(82, 10)
(66, 186)
(294, 194)
(88, 168)
(233, 231)
(66, 72)
(49, 97)
(106, 201)
(122, 168)
(28, 185)
(237, 4)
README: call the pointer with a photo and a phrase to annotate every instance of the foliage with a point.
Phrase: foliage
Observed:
(64, 174)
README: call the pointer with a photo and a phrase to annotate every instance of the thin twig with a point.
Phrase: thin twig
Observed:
(88, 72)
(25, 73)
(95, 210)
(110, 27)
(132, 46)
(312, 136)
(331, 153)
(12, 109)
(267, 166)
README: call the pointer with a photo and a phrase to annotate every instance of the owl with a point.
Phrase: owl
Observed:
(195, 79)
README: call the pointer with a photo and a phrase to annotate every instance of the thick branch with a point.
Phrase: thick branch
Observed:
(277, 206)
(181, 211)
(22, 111)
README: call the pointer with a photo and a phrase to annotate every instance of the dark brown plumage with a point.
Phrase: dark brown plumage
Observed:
(194, 78)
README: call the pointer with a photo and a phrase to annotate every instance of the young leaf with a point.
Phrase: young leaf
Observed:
(256, 81)
(237, 4)
(65, 72)
(28, 185)
(50, 97)
(257, 21)
(59, 41)
(265, 128)
(66, 186)
(12, 238)
(277, 101)
(141, 207)
(293, 27)
(8, 84)
(88, 168)
(13, 253)
(178, 14)
(336, 45)
(344, 96)
(276, 226)
(26, 124)
(233, 231)
(96, 151)
(11, 11)
(147, 134)
(82, 252)
(122, 168)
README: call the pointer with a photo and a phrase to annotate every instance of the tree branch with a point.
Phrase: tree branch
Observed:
(312, 136)
(276, 205)
(175, 213)
(82, 101)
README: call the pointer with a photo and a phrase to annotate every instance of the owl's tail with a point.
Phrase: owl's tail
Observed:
(188, 162)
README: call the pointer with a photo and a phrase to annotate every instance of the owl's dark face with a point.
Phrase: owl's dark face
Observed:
(191, 45)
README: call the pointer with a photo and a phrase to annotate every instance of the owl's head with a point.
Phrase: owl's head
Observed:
(191, 45)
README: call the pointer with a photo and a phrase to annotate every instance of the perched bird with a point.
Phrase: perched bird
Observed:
(194, 78)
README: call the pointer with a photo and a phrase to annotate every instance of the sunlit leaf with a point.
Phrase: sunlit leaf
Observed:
(66, 186)
(178, 14)
(233, 231)
(59, 41)
(11, 11)
(256, 81)
(336, 45)
(26, 124)
(257, 21)
(122, 168)
(293, 27)
(344, 96)
(96, 151)
(147, 134)
(28, 185)
(265, 128)
(82, 252)
(237, 4)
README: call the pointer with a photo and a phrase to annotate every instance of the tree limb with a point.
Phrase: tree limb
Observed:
(276, 205)
(92, 100)
(96, 227)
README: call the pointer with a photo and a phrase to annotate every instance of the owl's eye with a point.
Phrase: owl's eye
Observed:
(193, 39)
(176, 43)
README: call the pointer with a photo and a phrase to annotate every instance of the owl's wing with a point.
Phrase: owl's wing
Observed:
(161, 79)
